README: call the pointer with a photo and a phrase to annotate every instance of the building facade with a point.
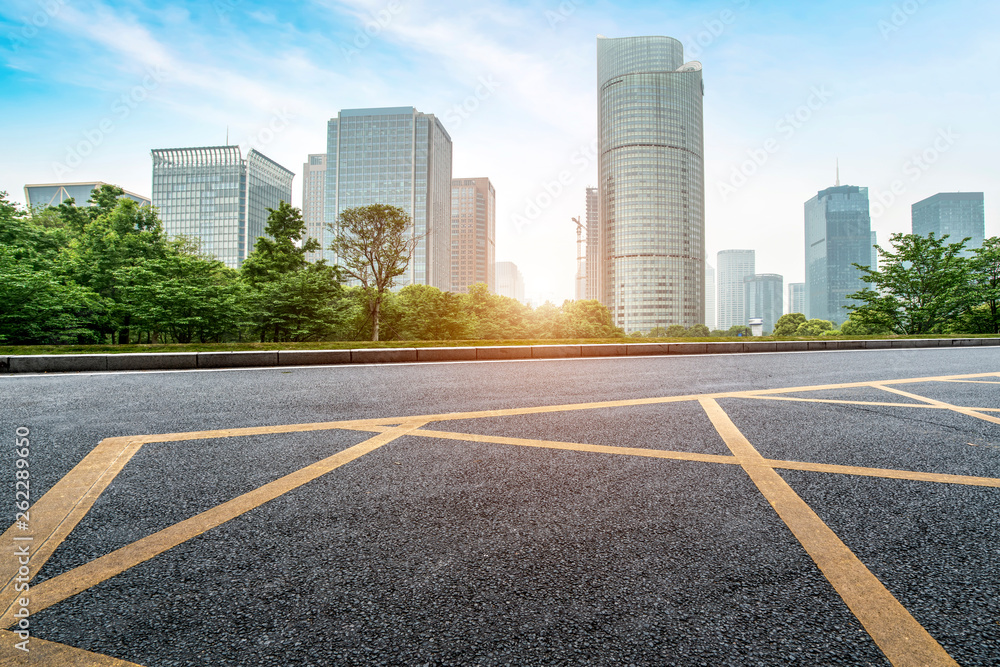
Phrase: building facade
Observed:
(955, 214)
(313, 198)
(711, 316)
(837, 235)
(43, 195)
(652, 183)
(796, 298)
(473, 233)
(593, 223)
(399, 157)
(216, 196)
(734, 267)
(510, 281)
(764, 297)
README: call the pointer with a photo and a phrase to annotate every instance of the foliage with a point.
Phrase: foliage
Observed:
(374, 247)
(814, 327)
(788, 324)
(921, 287)
(984, 269)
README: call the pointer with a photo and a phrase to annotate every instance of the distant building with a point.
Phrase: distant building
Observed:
(215, 195)
(510, 281)
(764, 299)
(593, 223)
(52, 194)
(399, 157)
(955, 214)
(710, 314)
(734, 267)
(473, 233)
(796, 298)
(874, 265)
(837, 235)
(652, 183)
(313, 198)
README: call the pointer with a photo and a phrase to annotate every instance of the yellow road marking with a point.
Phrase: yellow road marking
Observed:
(903, 640)
(65, 585)
(970, 412)
(773, 397)
(56, 513)
(972, 381)
(42, 653)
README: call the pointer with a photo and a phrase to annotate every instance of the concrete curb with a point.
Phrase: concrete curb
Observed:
(69, 363)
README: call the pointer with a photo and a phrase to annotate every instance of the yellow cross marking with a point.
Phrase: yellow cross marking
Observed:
(891, 626)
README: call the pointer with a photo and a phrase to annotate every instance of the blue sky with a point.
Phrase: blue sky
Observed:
(903, 93)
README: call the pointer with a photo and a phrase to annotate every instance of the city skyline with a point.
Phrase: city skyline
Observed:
(897, 96)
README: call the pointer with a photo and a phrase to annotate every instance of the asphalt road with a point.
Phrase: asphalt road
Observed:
(632, 532)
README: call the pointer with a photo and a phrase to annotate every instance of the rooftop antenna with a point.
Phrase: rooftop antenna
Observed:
(838, 172)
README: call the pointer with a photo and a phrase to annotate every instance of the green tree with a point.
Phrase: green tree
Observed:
(922, 286)
(373, 245)
(984, 272)
(738, 330)
(587, 319)
(675, 331)
(814, 327)
(496, 317)
(698, 331)
(427, 313)
(788, 324)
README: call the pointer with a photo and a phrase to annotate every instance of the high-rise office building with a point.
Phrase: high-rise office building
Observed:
(52, 194)
(652, 183)
(399, 157)
(510, 281)
(313, 196)
(956, 214)
(764, 298)
(593, 223)
(710, 310)
(473, 233)
(796, 298)
(734, 267)
(215, 195)
(837, 235)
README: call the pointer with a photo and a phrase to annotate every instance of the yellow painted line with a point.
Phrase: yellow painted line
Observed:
(57, 512)
(972, 381)
(578, 447)
(43, 653)
(264, 430)
(903, 640)
(57, 589)
(970, 412)
(885, 473)
(773, 397)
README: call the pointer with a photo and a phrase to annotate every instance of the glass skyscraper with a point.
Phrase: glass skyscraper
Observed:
(956, 214)
(593, 223)
(473, 233)
(399, 157)
(838, 235)
(652, 183)
(735, 266)
(214, 195)
(765, 298)
(313, 196)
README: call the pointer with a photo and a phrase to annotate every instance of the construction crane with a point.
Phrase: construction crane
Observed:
(581, 262)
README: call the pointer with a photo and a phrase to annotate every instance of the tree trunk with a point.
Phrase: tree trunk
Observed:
(375, 314)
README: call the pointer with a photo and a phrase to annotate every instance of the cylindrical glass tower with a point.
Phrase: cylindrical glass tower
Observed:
(652, 183)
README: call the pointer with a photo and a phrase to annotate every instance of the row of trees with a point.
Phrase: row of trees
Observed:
(108, 273)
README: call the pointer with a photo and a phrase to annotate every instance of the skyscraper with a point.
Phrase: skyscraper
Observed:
(735, 266)
(764, 298)
(215, 195)
(510, 281)
(400, 157)
(796, 298)
(710, 289)
(874, 265)
(473, 233)
(313, 196)
(957, 214)
(593, 222)
(837, 236)
(652, 183)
